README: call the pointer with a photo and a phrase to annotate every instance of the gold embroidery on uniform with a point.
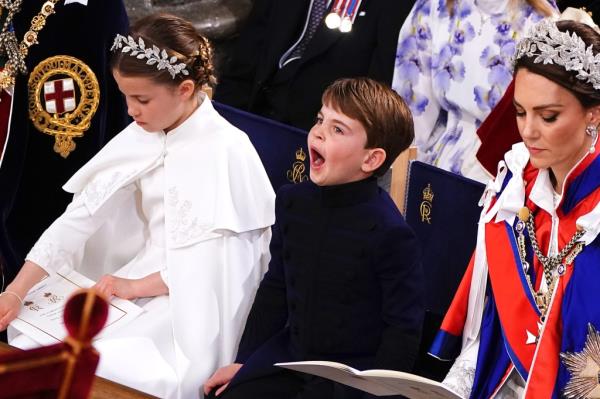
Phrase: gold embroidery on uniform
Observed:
(584, 368)
(296, 174)
(9, 46)
(63, 125)
(426, 205)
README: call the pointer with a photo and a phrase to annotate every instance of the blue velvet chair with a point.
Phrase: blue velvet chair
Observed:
(442, 208)
(281, 148)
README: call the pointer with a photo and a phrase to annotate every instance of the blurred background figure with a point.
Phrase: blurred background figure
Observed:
(285, 56)
(453, 65)
(219, 21)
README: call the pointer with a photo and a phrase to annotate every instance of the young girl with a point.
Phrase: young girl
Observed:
(177, 206)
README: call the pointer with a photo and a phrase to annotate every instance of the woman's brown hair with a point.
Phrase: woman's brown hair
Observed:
(178, 38)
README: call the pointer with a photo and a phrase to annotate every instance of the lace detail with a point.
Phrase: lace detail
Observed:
(460, 378)
(98, 189)
(49, 255)
(183, 228)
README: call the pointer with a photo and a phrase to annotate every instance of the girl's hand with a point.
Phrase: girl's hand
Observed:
(110, 285)
(10, 306)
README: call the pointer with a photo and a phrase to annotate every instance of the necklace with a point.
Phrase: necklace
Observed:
(10, 47)
(557, 262)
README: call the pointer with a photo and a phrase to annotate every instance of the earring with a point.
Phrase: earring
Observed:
(592, 131)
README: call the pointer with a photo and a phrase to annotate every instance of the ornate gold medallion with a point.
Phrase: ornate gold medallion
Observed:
(296, 174)
(63, 97)
(584, 368)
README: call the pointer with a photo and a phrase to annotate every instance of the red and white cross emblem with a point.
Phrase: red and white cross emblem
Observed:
(59, 96)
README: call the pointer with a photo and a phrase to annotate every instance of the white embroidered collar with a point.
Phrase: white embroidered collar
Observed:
(512, 197)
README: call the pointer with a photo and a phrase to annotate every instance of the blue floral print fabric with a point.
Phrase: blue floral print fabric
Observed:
(453, 68)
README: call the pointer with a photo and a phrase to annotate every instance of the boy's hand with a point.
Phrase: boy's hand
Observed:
(10, 306)
(221, 378)
(110, 285)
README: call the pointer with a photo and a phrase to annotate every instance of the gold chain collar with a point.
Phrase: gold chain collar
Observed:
(17, 52)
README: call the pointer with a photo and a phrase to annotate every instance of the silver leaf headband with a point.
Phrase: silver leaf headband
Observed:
(153, 56)
(551, 46)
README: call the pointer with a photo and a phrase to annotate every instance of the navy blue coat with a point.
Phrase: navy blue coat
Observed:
(32, 174)
(344, 283)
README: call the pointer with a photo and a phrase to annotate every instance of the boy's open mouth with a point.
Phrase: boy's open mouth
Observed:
(316, 159)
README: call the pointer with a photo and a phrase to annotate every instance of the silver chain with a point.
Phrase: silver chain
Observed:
(550, 263)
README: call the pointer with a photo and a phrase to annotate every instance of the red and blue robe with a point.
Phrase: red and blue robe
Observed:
(510, 310)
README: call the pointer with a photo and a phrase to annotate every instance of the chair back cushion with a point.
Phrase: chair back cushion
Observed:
(442, 208)
(282, 148)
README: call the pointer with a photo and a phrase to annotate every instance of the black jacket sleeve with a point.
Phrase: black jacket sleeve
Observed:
(401, 277)
(269, 310)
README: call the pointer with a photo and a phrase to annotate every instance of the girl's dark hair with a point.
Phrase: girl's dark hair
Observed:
(178, 38)
(581, 89)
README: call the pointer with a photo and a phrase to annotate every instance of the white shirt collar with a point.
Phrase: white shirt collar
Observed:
(82, 2)
(542, 192)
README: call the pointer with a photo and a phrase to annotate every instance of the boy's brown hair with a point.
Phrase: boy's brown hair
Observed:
(382, 112)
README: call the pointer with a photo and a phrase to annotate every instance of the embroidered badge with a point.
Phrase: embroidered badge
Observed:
(63, 97)
(426, 205)
(59, 96)
(297, 173)
(584, 368)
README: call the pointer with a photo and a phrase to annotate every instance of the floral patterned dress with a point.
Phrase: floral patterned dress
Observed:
(453, 68)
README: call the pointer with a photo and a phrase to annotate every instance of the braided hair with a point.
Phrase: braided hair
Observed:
(179, 39)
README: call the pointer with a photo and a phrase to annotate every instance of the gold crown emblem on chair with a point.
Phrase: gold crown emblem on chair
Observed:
(426, 205)
(297, 173)
(427, 193)
(300, 154)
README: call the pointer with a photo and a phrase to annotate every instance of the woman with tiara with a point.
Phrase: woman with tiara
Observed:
(525, 319)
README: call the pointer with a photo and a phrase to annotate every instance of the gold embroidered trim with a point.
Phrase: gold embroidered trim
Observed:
(426, 204)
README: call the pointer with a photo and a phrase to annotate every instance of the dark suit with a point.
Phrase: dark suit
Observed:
(32, 174)
(253, 81)
(344, 284)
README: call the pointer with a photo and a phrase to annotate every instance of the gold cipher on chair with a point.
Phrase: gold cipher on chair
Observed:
(281, 148)
(442, 209)
(65, 370)
(63, 97)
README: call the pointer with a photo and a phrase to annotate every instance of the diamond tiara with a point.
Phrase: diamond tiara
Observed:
(153, 55)
(551, 46)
